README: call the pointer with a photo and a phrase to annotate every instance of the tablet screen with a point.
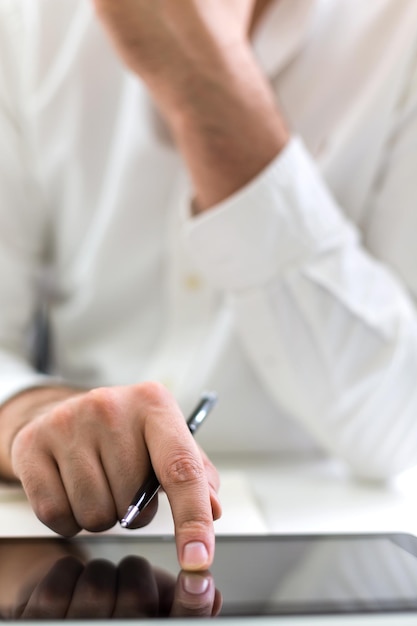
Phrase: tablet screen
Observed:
(107, 576)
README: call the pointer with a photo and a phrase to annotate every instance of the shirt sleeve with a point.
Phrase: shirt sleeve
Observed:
(21, 226)
(331, 330)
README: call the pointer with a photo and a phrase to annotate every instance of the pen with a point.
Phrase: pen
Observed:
(151, 485)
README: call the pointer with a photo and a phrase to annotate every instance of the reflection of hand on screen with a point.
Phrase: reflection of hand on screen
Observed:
(100, 589)
(24, 563)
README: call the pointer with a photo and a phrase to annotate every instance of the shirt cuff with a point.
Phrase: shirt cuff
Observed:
(283, 217)
(18, 376)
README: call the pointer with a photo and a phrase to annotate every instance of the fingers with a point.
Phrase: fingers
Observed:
(88, 491)
(178, 463)
(82, 462)
(43, 486)
(162, 437)
(61, 472)
(63, 458)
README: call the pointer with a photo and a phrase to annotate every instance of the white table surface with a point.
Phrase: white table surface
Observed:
(264, 495)
(320, 496)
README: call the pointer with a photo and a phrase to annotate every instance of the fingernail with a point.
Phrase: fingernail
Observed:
(195, 584)
(194, 556)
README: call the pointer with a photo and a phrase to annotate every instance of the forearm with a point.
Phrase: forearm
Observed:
(197, 63)
(20, 410)
(228, 127)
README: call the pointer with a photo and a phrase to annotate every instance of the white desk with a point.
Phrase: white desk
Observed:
(261, 495)
(319, 496)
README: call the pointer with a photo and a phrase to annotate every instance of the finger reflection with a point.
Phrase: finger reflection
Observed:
(50, 596)
(75, 587)
(196, 596)
(138, 594)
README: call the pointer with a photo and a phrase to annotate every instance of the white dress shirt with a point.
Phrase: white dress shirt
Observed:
(294, 298)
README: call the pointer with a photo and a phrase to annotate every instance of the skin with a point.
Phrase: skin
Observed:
(196, 60)
(79, 455)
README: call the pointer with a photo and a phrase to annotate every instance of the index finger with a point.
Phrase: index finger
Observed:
(180, 469)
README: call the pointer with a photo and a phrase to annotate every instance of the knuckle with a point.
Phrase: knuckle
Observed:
(195, 527)
(102, 403)
(61, 418)
(23, 442)
(153, 393)
(182, 468)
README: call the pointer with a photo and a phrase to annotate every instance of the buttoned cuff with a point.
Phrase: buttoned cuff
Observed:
(283, 217)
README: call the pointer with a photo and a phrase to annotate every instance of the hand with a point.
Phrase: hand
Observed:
(101, 590)
(82, 459)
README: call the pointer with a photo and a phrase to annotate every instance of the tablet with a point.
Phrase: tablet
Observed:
(290, 579)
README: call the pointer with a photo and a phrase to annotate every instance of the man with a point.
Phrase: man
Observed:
(195, 182)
